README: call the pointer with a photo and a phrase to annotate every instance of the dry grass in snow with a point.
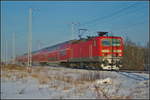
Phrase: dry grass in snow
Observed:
(53, 82)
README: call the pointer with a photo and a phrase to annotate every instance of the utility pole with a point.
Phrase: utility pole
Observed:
(72, 29)
(80, 34)
(3, 51)
(39, 43)
(1, 61)
(30, 39)
(6, 59)
(14, 52)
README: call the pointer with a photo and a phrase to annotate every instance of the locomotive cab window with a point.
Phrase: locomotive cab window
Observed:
(106, 42)
(111, 42)
(115, 42)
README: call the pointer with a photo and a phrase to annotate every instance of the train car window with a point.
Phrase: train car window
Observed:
(63, 52)
(111, 42)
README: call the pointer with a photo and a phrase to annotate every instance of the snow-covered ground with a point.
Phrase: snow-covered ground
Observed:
(64, 83)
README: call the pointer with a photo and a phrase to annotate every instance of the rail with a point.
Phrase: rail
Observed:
(133, 76)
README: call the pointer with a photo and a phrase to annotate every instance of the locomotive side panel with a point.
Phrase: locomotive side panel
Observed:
(86, 51)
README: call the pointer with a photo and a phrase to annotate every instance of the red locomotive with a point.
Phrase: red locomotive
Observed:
(104, 52)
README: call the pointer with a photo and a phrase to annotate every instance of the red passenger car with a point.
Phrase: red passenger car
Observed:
(104, 52)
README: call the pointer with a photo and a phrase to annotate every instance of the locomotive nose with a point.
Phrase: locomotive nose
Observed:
(111, 62)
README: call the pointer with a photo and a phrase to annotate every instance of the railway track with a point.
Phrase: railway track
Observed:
(131, 71)
(133, 75)
(127, 73)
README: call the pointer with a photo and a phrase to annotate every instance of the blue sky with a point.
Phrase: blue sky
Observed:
(52, 20)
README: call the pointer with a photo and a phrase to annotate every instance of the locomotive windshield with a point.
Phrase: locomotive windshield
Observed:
(111, 42)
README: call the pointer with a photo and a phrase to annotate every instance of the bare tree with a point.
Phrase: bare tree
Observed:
(133, 55)
(146, 57)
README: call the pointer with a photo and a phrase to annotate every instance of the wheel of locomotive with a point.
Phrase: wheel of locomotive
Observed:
(99, 67)
(72, 65)
(66, 64)
(91, 66)
(61, 64)
(86, 66)
(80, 65)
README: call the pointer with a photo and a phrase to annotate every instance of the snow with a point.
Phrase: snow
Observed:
(67, 83)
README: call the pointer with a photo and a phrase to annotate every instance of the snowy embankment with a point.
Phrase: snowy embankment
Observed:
(62, 83)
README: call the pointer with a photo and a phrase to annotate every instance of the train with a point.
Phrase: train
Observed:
(101, 52)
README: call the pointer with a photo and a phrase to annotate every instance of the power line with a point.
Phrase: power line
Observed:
(135, 11)
(135, 24)
(110, 15)
(130, 23)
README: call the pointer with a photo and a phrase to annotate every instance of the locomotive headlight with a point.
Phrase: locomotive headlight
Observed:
(119, 54)
(111, 51)
(105, 50)
(117, 50)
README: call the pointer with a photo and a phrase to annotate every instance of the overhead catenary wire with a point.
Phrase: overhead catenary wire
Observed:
(135, 11)
(109, 22)
(133, 25)
(130, 25)
(109, 15)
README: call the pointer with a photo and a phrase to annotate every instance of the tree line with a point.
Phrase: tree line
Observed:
(136, 57)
